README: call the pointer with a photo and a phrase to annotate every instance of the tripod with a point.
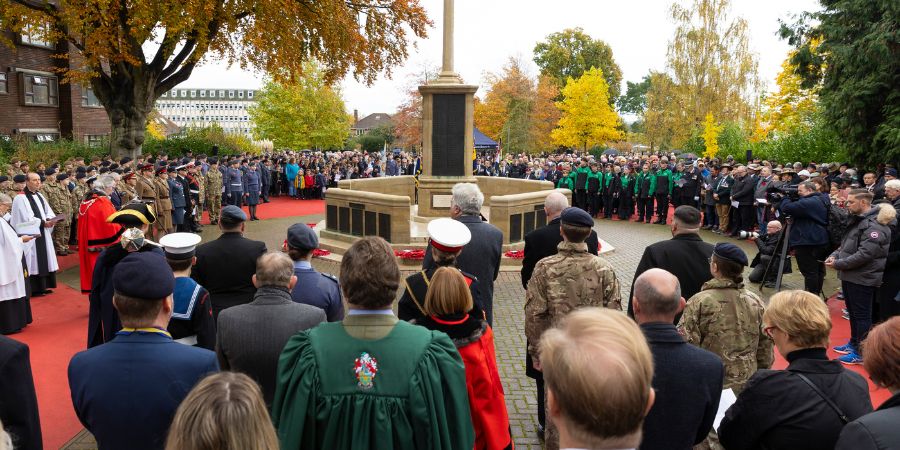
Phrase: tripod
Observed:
(782, 258)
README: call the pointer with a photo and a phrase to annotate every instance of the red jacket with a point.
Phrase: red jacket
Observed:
(474, 340)
(94, 234)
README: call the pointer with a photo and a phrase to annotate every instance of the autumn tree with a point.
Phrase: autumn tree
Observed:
(408, 118)
(711, 132)
(571, 52)
(663, 116)
(132, 52)
(791, 106)
(544, 113)
(587, 117)
(307, 113)
(712, 70)
(505, 111)
(856, 63)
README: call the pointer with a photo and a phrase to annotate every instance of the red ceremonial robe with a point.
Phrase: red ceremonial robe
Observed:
(94, 233)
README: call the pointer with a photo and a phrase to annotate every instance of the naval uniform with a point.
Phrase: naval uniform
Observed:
(192, 320)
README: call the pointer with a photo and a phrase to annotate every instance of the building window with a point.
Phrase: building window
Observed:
(88, 98)
(95, 140)
(230, 94)
(249, 94)
(165, 94)
(3, 89)
(202, 94)
(193, 93)
(183, 93)
(37, 36)
(43, 137)
(240, 94)
(40, 90)
(221, 93)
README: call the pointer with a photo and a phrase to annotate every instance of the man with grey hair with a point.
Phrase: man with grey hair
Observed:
(888, 306)
(250, 337)
(687, 379)
(482, 254)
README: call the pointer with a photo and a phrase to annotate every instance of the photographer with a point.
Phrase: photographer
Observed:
(769, 250)
(809, 235)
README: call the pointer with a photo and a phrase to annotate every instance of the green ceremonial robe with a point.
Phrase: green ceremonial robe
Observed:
(417, 398)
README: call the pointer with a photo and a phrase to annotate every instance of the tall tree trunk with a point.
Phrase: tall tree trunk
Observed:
(128, 127)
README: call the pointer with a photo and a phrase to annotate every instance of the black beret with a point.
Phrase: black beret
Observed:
(133, 214)
(104, 163)
(42, 177)
(302, 237)
(3, 178)
(144, 275)
(20, 178)
(731, 253)
(80, 175)
(125, 160)
(576, 216)
(213, 160)
(50, 171)
(81, 169)
(91, 168)
(62, 176)
(232, 214)
(113, 166)
(104, 169)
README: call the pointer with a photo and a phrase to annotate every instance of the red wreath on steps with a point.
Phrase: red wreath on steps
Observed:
(410, 254)
(321, 252)
(515, 254)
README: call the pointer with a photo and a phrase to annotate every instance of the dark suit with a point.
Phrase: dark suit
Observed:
(225, 267)
(251, 337)
(686, 256)
(480, 257)
(688, 384)
(541, 243)
(126, 391)
(18, 402)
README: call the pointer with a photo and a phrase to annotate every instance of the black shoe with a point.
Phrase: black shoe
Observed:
(214, 222)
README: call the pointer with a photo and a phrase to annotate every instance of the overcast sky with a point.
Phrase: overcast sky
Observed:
(488, 32)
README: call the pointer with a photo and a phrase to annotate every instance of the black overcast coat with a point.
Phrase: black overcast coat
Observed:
(225, 267)
(686, 256)
(779, 410)
(875, 431)
(18, 403)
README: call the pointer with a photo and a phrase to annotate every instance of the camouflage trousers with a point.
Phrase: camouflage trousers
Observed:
(214, 206)
(61, 236)
(711, 442)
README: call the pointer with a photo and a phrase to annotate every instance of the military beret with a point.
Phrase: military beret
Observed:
(113, 166)
(731, 253)
(891, 172)
(145, 166)
(161, 169)
(133, 214)
(143, 275)
(62, 176)
(3, 178)
(80, 175)
(125, 160)
(232, 214)
(91, 168)
(104, 169)
(302, 237)
(81, 169)
(576, 216)
(104, 163)
(184, 161)
(91, 178)
(128, 176)
(20, 178)
(42, 177)
(49, 172)
(213, 160)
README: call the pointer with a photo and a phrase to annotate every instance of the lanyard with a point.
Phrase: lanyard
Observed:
(125, 331)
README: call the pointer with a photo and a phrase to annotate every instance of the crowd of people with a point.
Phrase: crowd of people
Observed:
(227, 344)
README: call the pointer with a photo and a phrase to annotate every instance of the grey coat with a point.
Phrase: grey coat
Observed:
(250, 337)
(862, 255)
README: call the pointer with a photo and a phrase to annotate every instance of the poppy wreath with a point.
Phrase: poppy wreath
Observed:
(410, 254)
(515, 254)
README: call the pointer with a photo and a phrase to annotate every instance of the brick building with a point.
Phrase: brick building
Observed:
(37, 104)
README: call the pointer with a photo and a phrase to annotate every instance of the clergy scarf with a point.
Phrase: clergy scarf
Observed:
(41, 242)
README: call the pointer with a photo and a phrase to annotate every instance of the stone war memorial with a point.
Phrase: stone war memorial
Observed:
(399, 208)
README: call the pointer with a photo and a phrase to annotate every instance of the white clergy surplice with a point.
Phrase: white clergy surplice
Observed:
(12, 277)
(25, 208)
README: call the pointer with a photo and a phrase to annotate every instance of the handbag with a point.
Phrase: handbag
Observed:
(844, 419)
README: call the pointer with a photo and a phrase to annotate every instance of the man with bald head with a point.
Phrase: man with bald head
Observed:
(687, 379)
(539, 244)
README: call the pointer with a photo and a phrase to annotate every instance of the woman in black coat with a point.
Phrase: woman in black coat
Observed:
(879, 430)
(787, 409)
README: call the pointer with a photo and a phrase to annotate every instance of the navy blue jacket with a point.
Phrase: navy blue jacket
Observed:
(688, 384)
(176, 193)
(810, 215)
(18, 402)
(252, 182)
(319, 290)
(126, 392)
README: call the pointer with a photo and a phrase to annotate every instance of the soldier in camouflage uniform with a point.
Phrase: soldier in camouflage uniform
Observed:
(571, 279)
(727, 319)
(213, 190)
(60, 200)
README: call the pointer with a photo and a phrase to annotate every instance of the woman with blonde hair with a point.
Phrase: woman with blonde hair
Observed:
(806, 405)
(448, 307)
(225, 411)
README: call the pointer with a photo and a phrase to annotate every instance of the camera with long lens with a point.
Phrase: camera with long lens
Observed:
(775, 194)
(747, 235)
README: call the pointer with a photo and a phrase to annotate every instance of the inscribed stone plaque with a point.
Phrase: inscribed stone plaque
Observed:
(440, 201)
(448, 135)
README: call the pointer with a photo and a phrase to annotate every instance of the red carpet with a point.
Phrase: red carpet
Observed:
(281, 207)
(58, 332)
